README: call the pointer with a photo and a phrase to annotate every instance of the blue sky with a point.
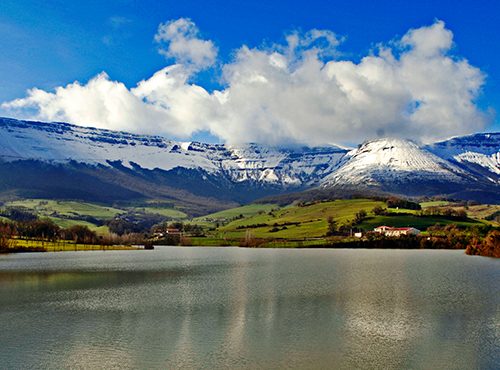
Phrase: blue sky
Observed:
(51, 43)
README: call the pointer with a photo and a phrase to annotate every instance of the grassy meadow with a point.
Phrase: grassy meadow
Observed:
(297, 222)
(63, 246)
(69, 213)
(45, 207)
(303, 225)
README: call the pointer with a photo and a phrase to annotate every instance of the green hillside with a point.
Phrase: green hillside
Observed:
(268, 221)
(305, 221)
(44, 207)
(249, 210)
(163, 211)
(420, 223)
(309, 221)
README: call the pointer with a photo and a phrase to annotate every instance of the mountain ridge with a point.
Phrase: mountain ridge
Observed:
(219, 175)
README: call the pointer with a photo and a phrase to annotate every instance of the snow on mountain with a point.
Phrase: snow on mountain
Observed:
(62, 142)
(390, 162)
(474, 153)
(462, 165)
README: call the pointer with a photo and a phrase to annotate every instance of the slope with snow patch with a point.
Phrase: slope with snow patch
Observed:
(478, 153)
(61, 143)
(389, 163)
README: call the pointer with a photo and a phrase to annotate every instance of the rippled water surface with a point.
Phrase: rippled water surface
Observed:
(245, 308)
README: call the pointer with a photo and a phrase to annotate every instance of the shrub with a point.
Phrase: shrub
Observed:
(332, 226)
(184, 240)
(6, 233)
(80, 234)
(360, 216)
(488, 247)
(394, 202)
(378, 211)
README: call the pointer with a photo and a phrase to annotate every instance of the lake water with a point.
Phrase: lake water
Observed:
(232, 308)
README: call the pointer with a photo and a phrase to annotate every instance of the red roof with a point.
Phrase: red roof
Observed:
(394, 228)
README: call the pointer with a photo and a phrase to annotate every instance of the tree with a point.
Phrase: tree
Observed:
(332, 226)
(45, 229)
(394, 202)
(194, 230)
(177, 225)
(360, 216)
(81, 234)
(378, 210)
(489, 247)
(6, 233)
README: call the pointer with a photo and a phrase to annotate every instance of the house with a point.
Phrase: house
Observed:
(382, 229)
(396, 231)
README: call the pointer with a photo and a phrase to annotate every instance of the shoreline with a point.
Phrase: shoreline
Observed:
(97, 248)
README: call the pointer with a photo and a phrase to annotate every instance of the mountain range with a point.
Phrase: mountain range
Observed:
(63, 161)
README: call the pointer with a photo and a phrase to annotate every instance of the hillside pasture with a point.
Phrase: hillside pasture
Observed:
(304, 221)
(419, 222)
(46, 207)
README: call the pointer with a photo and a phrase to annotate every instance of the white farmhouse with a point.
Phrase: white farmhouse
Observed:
(396, 231)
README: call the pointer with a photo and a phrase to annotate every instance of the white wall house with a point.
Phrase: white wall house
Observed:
(396, 231)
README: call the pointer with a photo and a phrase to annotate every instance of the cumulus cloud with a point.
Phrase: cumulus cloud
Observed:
(163, 104)
(300, 92)
(179, 40)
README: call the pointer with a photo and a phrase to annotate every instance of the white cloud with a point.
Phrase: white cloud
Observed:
(301, 92)
(429, 41)
(179, 40)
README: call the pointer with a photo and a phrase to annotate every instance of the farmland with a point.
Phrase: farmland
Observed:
(297, 224)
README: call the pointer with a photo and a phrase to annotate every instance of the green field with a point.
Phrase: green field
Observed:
(67, 213)
(167, 212)
(65, 223)
(44, 207)
(229, 214)
(481, 211)
(435, 203)
(308, 221)
(292, 225)
(478, 211)
(62, 246)
(420, 223)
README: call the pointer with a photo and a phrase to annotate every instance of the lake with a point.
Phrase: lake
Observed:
(178, 307)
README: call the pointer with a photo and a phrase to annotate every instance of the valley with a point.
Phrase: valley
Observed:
(300, 224)
(128, 188)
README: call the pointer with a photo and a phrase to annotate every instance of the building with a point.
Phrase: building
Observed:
(382, 229)
(396, 231)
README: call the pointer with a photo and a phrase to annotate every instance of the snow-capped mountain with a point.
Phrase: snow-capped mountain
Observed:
(62, 142)
(394, 165)
(401, 166)
(478, 154)
(391, 161)
(54, 160)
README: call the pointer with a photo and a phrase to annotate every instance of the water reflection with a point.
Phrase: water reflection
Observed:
(227, 308)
